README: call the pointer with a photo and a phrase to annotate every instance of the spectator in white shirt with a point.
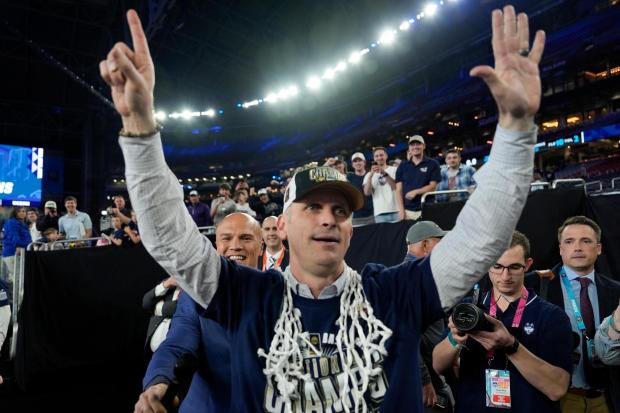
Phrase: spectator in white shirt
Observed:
(380, 183)
(241, 198)
(31, 218)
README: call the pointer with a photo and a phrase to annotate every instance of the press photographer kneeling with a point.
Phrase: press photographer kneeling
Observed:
(523, 362)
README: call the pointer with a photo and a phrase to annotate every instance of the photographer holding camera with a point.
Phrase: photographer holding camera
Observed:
(50, 217)
(120, 210)
(517, 358)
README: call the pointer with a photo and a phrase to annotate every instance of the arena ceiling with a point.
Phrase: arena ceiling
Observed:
(216, 54)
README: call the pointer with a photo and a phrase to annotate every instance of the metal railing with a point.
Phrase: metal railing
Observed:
(613, 182)
(589, 184)
(446, 192)
(18, 295)
(568, 181)
(537, 184)
(210, 230)
(73, 243)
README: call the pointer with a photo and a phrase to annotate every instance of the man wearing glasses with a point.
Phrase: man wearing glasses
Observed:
(524, 364)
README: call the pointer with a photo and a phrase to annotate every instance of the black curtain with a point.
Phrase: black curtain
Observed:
(378, 243)
(82, 328)
(605, 210)
(543, 214)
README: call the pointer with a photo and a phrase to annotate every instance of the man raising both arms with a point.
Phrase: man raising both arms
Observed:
(323, 337)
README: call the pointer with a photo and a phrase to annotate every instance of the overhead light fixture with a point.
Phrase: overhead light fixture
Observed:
(271, 98)
(329, 74)
(404, 26)
(355, 57)
(160, 115)
(209, 112)
(313, 83)
(430, 9)
(387, 37)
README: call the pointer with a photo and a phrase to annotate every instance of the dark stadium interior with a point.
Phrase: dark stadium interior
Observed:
(221, 54)
(217, 54)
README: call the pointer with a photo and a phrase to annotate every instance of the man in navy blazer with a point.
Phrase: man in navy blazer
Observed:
(238, 238)
(594, 388)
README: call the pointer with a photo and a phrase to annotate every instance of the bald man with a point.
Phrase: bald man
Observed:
(275, 255)
(237, 238)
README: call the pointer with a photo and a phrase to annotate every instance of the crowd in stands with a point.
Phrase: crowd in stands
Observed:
(393, 190)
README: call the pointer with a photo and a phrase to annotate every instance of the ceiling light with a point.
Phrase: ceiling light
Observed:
(313, 83)
(292, 90)
(329, 74)
(209, 112)
(387, 37)
(430, 9)
(250, 103)
(404, 26)
(271, 98)
(160, 115)
(341, 67)
(355, 57)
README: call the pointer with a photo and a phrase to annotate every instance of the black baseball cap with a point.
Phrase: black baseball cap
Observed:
(322, 177)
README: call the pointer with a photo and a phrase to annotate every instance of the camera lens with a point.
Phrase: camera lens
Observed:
(468, 317)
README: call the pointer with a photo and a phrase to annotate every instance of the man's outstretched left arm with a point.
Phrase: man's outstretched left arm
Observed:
(486, 223)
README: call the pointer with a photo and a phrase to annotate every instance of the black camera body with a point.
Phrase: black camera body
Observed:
(469, 317)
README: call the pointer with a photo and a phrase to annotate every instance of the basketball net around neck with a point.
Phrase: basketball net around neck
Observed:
(360, 334)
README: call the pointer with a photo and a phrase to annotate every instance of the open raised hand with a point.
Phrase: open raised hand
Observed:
(131, 76)
(515, 80)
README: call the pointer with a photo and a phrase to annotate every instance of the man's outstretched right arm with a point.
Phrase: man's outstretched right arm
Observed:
(168, 232)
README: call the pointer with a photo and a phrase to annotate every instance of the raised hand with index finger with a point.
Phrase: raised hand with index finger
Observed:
(131, 76)
(515, 80)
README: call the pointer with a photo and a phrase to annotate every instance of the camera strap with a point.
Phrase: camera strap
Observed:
(577, 312)
(516, 320)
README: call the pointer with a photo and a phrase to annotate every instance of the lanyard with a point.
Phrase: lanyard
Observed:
(571, 297)
(580, 324)
(278, 263)
(516, 320)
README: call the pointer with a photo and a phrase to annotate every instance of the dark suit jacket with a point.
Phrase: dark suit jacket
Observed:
(608, 293)
(149, 301)
(283, 265)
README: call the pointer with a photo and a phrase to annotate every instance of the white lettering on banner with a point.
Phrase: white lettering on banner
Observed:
(6, 187)
(321, 393)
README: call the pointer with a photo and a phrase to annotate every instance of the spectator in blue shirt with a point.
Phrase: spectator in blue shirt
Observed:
(536, 351)
(75, 224)
(415, 177)
(201, 213)
(16, 235)
(455, 175)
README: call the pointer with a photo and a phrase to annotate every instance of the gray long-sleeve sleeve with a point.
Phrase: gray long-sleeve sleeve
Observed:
(607, 349)
(485, 225)
(168, 232)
